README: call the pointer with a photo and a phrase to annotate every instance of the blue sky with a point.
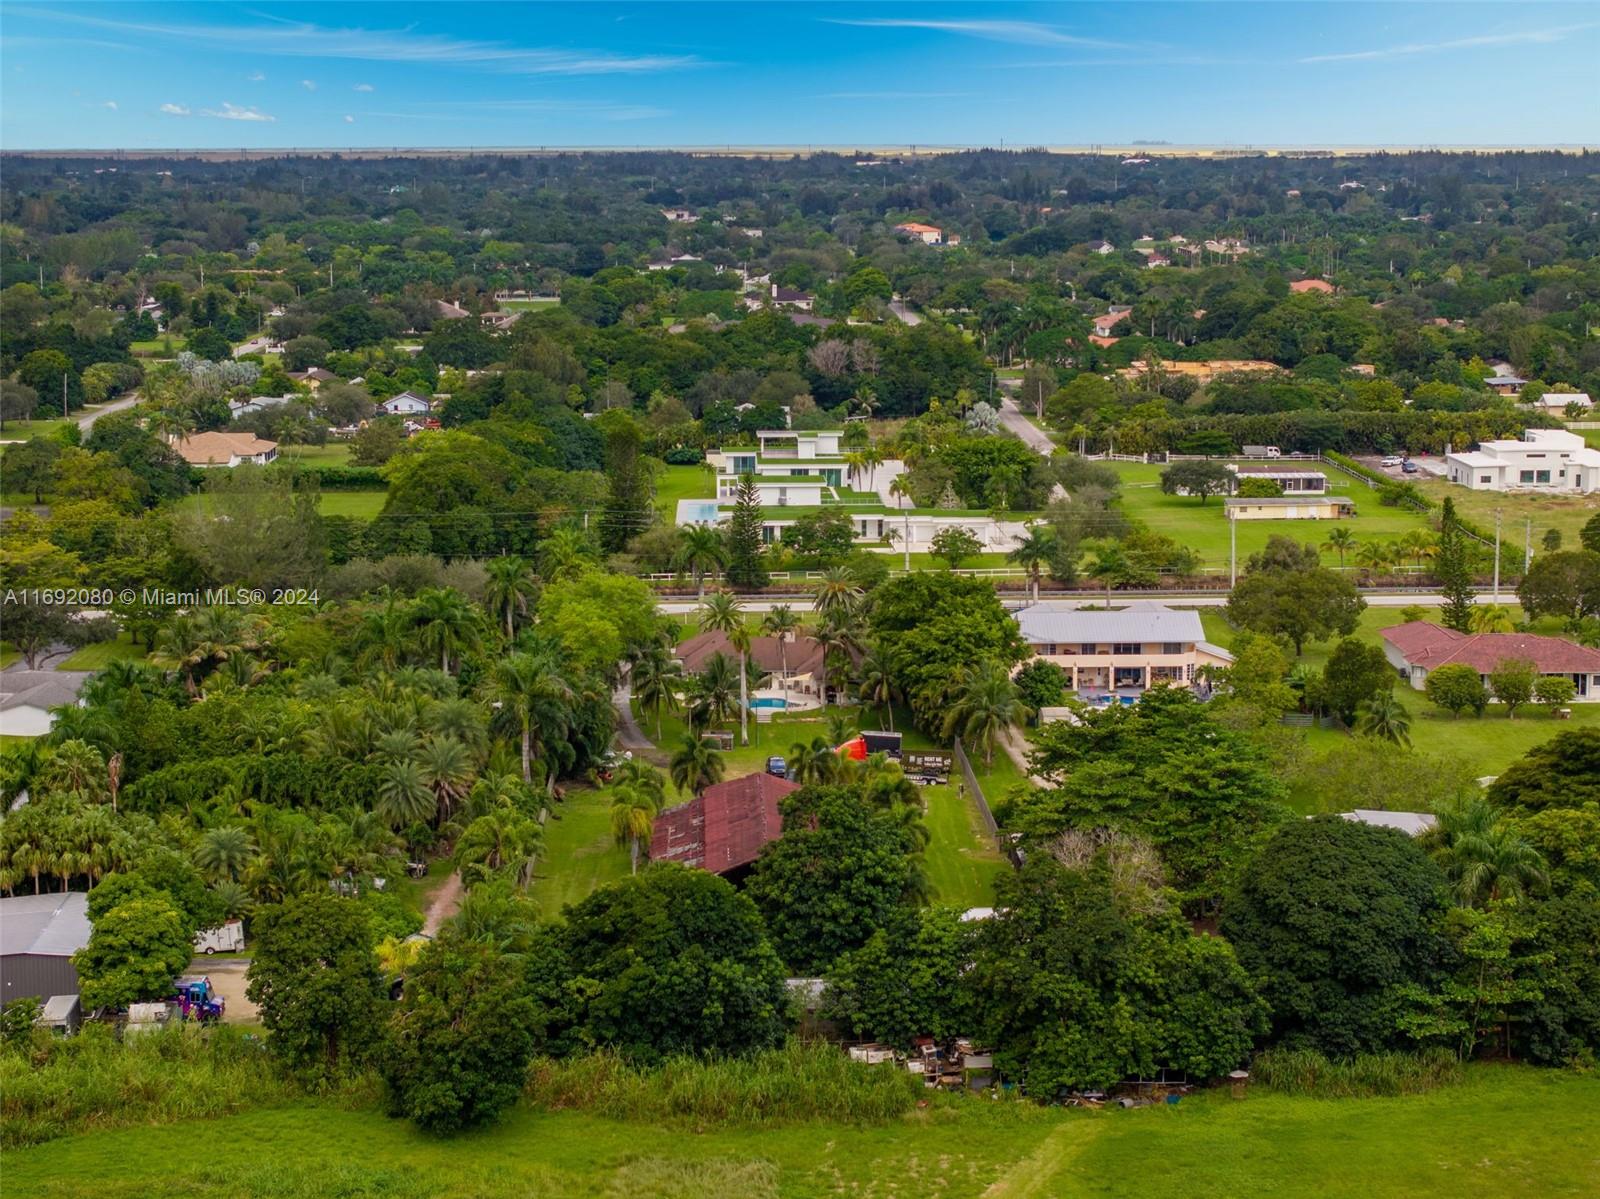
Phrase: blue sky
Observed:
(620, 74)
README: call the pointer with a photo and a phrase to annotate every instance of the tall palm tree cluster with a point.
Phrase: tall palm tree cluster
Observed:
(280, 753)
(1372, 558)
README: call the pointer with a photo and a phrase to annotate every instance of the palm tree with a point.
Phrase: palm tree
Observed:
(223, 853)
(403, 796)
(834, 638)
(654, 676)
(816, 762)
(781, 622)
(702, 550)
(696, 765)
(528, 690)
(1386, 718)
(1034, 551)
(448, 770)
(1484, 858)
(876, 686)
(1374, 557)
(985, 707)
(724, 614)
(901, 490)
(633, 815)
(1341, 542)
(508, 588)
(179, 647)
(1491, 618)
(502, 841)
(445, 623)
(1111, 564)
(837, 593)
(715, 689)
(565, 554)
(1418, 545)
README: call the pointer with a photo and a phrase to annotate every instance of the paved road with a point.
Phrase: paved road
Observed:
(1030, 434)
(88, 418)
(1203, 599)
(904, 312)
(629, 734)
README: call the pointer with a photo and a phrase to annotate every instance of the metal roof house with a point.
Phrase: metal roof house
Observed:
(38, 936)
(1117, 654)
(723, 828)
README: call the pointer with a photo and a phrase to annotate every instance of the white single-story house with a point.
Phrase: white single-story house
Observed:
(1419, 647)
(1556, 402)
(238, 408)
(407, 403)
(1290, 507)
(27, 698)
(1552, 460)
(225, 449)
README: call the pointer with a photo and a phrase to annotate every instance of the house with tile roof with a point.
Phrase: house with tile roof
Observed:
(225, 449)
(724, 828)
(1419, 647)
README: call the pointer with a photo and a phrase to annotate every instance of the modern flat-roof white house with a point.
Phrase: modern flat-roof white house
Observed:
(1552, 460)
(1119, 653)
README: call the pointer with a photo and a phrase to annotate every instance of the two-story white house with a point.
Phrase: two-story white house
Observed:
(1118, 654)
(1544, 460)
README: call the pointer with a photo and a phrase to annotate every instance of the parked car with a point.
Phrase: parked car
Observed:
(1409, 467)
(777, 767)
(1393, 460)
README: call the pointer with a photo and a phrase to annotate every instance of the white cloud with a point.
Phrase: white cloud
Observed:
(305, 40)
(232, 112)
(1025, 33)
(362, 87)
(175, 110)
(309, 84)
(111, 104)
(349, 120)
(1515, 38)
(256, 76)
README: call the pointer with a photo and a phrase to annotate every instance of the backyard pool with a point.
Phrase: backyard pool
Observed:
(697, 512)
(769, 701)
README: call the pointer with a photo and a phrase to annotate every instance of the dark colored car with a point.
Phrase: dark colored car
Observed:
(777, 767)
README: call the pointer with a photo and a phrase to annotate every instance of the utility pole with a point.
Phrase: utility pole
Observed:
(64, 413)
(1527, 546)
(1233, 549)
(1497, 555)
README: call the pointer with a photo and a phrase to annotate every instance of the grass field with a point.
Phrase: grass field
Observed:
(1203, 527)
(27, 430)
(1505, 1131)
(580, 854)
(335, 453)
(676, 483)
(362, 503)
(532, 303)
(102, 654)
(158, 347)
(1488, 744)
(1566, 513)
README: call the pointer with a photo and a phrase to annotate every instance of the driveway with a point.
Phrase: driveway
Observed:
(88, 418)
(904, 313)
(1020, 426)
(227, 975)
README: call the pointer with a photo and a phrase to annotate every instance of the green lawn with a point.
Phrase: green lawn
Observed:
(27, 430)
(8, 654)
(1203, 527)
(580, 855)
(676, 483)
(102, 654)
(1566, 513)
(362, 503)
(525, 305)
(158, 347)
(335, 453)
(1488, 744)
(961, 860)
(1506, 1131)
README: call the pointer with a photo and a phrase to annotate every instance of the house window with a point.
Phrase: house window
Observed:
(1172, 647)
(1527, 476)
(1048, 649)
(1485, 479)
(1542, 476)
(1127, 647)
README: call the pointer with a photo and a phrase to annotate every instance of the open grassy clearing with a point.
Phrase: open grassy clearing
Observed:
(676, 483)
(102, 654)
(580, 854)
(27, 430)
(158, 347)
(1488, 744)
(530, 303)
(1203, 527)
(1566, 513)
(363, 503)
(1504, 1131)
(335, 453)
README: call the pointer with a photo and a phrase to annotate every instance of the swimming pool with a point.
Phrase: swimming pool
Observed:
(769, 701)
(702, 511)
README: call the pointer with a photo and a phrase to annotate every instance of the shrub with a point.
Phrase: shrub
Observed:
(795, 1083)
(1305, 1072)
(683, 455)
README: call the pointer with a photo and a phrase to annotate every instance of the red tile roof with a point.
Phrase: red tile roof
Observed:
(1431, 646)
(725, 827)
(803, 654)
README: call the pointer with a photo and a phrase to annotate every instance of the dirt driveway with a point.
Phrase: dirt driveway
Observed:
(227, 976)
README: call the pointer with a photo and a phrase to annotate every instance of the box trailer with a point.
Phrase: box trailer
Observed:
(225, 938)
